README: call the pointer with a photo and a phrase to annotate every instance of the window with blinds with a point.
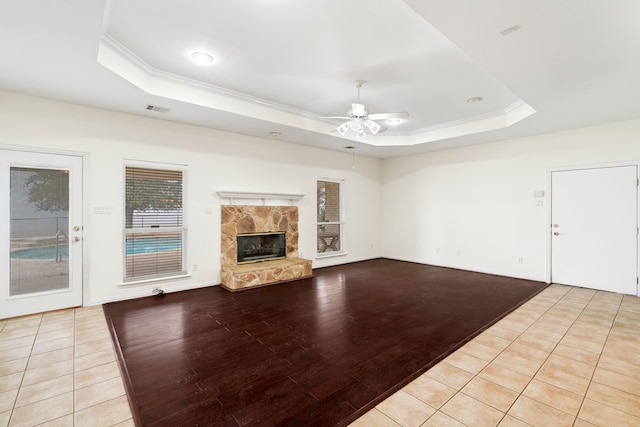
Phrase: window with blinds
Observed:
(154, 232)
(330, 218)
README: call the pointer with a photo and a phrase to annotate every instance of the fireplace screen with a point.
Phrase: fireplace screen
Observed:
(257, 247)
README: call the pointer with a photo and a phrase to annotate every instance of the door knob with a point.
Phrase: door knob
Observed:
(555, 233)
(76, 228)
(556, 225)
(76, 239)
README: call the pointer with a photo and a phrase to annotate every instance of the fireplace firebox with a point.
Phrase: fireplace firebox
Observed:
(256, 247)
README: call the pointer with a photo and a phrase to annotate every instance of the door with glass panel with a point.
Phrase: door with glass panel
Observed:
(41, 232)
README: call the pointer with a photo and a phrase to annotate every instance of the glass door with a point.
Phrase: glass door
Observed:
(41, 232)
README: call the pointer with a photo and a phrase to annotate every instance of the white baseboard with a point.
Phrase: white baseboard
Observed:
(146, 293)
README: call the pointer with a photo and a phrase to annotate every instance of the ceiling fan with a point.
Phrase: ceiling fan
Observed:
(360, 121)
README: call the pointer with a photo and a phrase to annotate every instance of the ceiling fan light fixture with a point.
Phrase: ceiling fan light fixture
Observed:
(343, 128)
(355, 124)
(373, 127)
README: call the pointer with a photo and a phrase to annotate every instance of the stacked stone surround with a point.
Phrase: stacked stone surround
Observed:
(260, 219)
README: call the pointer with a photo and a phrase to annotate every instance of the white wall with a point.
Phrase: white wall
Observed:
(476, 201)
(473, 208)
(216, 161)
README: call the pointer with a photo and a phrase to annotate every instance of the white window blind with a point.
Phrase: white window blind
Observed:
(154, 232)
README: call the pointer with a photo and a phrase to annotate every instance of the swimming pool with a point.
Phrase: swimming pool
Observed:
(134, 246)
(48, 252)
(147, 245)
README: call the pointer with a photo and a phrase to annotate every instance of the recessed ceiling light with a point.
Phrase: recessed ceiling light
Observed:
(474, 99)
(275, 134)
(201, 57)
(393, 122)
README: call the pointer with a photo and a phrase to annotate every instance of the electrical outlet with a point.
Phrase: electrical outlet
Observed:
(195, 267)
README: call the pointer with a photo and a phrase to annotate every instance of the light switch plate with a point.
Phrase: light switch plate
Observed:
(102, 210)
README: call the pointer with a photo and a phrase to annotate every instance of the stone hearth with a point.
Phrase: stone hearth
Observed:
(260, 219)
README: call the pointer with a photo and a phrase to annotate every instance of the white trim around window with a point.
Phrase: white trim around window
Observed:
(154, 222)
(330, 229)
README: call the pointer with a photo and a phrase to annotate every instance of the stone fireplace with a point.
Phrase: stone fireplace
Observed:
(256, 222)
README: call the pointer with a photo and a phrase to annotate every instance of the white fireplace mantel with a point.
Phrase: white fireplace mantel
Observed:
(232, 196)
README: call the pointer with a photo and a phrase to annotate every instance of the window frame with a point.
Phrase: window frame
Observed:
(341, 223)
(183, 230)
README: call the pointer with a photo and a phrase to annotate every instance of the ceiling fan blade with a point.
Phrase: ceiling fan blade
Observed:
(386, 116)
(337, 117)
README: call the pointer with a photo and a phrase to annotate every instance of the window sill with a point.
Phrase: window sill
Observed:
(330, 255)
(154, 279)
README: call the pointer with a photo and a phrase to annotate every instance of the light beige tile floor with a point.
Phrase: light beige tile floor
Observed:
(60, 369)
(568, 357)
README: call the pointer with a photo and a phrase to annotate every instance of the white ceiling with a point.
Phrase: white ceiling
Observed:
(282, 65)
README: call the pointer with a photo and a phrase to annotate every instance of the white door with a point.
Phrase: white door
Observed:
(41, 232)
(594, 228)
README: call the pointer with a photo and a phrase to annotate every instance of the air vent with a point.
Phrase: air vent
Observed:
(157, 108)
(510, 30)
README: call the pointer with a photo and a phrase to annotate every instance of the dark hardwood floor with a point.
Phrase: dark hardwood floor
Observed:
(314, 352)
